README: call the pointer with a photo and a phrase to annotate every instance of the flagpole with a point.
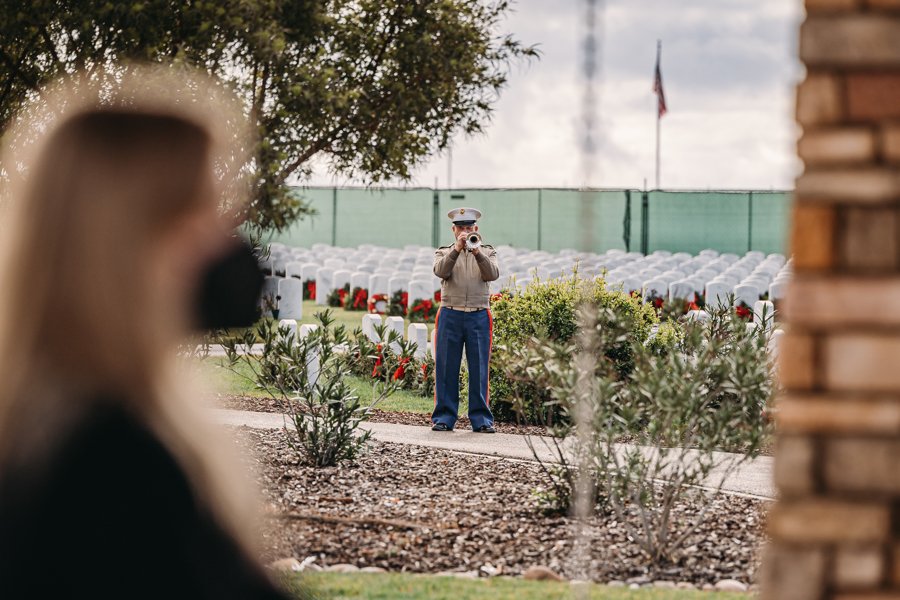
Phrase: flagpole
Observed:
(658, 115)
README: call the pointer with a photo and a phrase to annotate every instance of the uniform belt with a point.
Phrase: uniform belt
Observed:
(465, 308)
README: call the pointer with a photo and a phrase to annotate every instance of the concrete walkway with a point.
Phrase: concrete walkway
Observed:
(752, 478)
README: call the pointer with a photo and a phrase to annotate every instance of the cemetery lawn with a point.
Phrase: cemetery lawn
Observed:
(220, 379)
(402, 586)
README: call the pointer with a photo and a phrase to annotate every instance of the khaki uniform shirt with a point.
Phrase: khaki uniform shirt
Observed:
(465, 276)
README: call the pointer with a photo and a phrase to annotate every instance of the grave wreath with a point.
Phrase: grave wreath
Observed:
(359, 300)
(337, 298)
(309, 289)
(378, 304)
(422, 311)
(744, 311)
(397, 306)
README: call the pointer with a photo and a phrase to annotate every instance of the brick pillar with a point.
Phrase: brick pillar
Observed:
(836, 527)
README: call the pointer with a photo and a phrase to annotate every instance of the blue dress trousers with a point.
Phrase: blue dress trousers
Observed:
(455, 330)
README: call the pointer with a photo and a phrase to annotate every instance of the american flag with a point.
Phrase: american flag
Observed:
(658, 84)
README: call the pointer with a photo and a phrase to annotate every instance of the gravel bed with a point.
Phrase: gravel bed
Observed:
(410, 508)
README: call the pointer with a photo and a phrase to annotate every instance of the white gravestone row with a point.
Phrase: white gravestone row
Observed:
(716, 276)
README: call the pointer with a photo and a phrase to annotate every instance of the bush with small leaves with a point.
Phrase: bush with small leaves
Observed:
(676, 409)
(309, 377)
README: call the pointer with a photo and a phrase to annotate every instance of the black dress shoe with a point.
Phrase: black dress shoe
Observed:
(440, 427)
(486, 429)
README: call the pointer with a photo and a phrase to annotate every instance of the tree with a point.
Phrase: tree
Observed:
(373, 86)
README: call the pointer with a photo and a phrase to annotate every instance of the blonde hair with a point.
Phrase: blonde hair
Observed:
(96, 170)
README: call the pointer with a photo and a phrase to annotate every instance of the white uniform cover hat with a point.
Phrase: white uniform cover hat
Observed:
(465, 214)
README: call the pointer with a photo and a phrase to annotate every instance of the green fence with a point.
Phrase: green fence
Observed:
(549, 219)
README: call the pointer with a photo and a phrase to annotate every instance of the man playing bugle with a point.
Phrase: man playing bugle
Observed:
(464, 320)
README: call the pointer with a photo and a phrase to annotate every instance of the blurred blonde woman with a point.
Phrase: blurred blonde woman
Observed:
(112, 250)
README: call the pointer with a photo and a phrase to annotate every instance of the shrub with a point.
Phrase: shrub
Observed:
(548, 312)
(707, 392)
(309, 378)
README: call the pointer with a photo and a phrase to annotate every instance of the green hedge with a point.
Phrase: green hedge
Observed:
(548, 312)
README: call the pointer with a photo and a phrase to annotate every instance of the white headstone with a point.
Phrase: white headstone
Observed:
(339, 279)
(419, 290)
(368, 326)
(777, 290)
(764, 311)
(312, 364)
(360, 279)
(308, 271)
(323, 284)
(294, 269)
(287, 330)
(397, 324)
(775, 343)
(655, 288)
(378, 284)
(269, 293)
(291, 304)
(334, 263)
(698, 315)
(717, 293)
(399, 283)
(683, 289)
(433, 343)
(418, 333)
(748, 294)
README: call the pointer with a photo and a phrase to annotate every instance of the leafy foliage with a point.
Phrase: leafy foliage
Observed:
(373, 86)
(548, 312)
(677, 408)
(309, 377)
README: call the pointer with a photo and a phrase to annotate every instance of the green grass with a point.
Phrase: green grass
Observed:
(351, 318)
(397, 586)
(220, 379)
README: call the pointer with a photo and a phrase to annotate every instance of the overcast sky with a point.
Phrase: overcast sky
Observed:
(729, 70)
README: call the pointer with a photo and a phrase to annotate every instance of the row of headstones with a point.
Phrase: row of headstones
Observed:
(661, 274)
(379, 271)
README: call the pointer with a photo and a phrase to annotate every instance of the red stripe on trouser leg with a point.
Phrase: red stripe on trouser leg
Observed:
(487, 395)
(434, 356)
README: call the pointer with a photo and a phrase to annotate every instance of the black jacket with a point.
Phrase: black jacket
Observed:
(111, 515)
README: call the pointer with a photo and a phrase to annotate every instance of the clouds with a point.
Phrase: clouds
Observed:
(729, 68)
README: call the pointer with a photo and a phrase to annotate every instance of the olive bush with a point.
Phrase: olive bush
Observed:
(702, 391)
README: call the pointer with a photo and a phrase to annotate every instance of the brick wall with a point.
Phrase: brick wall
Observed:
(836, 527)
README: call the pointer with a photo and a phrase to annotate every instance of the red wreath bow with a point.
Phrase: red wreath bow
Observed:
(743, 311)
(311, 289)
(359, 300)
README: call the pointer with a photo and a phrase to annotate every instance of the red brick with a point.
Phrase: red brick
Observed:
(874, 96)
(837, 415)
(796, 361)
(829, 521)
(812, 236)
(819, 100)
(815, 6)
(890, 143)
(819, 302)
(846, 145)
(858, 567)
(855, 40)
(794, 471)
(861, 362)
(863, 185)
(869, 240)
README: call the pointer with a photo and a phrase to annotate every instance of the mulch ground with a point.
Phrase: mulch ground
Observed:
(271, 405)
(409, 508)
